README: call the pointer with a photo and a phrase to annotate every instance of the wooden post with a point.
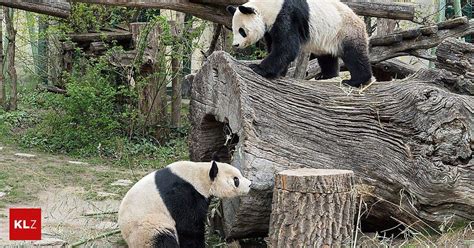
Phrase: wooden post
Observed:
(312, 208)
(152, 96)
(42, 68)
(2, 81)
(385, 26)
(11, 58)
(177, 77)
(457, 8)
(301, 64)
(441, 18)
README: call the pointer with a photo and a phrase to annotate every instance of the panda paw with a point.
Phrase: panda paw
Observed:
(256, 68)
(262, 72)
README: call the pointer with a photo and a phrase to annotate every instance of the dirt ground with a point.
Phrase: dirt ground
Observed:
(78, 198)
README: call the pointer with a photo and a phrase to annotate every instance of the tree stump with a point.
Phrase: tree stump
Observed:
(312, 208)
(410, 141)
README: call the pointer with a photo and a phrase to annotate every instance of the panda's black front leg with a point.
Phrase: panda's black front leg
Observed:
(356, 59)
(268, 42)
(281, 55)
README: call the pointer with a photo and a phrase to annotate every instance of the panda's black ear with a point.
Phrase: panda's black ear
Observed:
(246, 10)
(213, 171)
(231, 9)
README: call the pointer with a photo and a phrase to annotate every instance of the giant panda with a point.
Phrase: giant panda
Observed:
(328, 29)
(168, 207)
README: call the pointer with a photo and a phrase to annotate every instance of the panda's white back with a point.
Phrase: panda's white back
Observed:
(142, 212)
(330, 22)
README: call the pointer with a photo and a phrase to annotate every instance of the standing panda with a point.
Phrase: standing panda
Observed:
(328, 29)
(168, 207)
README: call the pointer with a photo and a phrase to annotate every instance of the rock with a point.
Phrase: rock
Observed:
(2, 194)
(1, 148)
(78, 163)
(122, 182)
(50, 242)
(106, 194)
(25, 155)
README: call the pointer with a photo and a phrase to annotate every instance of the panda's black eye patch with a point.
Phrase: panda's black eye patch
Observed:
(236, 181)
(242, 32)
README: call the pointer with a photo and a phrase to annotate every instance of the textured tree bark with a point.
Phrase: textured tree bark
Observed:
(385, 26)
(411, 141)
(42, 67)
(300, 65)
(457, 57)
(215, 10)
(176, 68)
(56, 8)
(3, 96)
(152, 96)
(405, 42)
(101, 36)
(11, 32)
(312, 208)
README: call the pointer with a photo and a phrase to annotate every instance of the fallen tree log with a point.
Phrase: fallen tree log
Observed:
(100, 36)
(402, 43)
(215, 10)
(409, 141)
(56, 8)
(384, 10)
(457, 57)
(398, 44)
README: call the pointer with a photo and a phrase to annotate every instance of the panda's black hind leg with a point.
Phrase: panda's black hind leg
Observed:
(355, 57)
(329, 66)
(165, 240)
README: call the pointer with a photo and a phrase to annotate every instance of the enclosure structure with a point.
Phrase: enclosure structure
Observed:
(409, 142)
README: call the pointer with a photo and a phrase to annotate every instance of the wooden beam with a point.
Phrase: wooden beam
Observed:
(215, 14)
(215, 10)
(55, 8)
(384, 10)
(101, 36)
(381, 53)
(220, 2)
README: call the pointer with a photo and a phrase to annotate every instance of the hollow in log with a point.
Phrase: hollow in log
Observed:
(312, 208)
(410, 140)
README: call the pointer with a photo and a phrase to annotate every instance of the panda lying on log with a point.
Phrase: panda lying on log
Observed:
(328, 29)
(168, 207)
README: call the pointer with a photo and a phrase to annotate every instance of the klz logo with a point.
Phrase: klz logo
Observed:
(25, 223)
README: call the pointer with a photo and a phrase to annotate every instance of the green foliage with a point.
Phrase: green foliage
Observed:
(78, 122)
(11, 122)
(254, 52)
(100, 116)
(93, 17)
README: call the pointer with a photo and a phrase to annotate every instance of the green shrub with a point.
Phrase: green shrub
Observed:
(79, 122)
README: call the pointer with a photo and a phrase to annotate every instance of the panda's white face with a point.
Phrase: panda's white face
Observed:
(248, 26)
(229, 182)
